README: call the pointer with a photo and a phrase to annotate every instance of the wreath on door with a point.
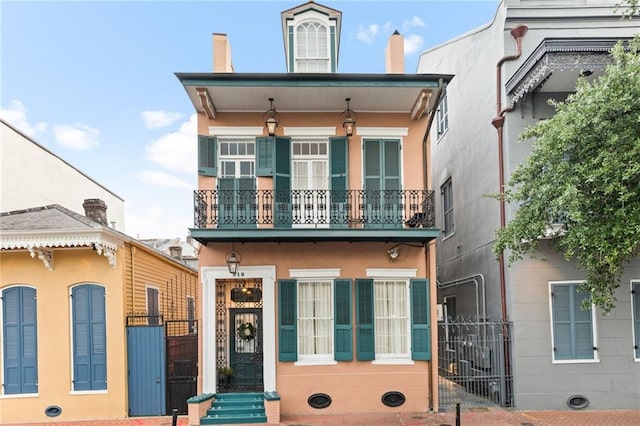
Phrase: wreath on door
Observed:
(246, 331)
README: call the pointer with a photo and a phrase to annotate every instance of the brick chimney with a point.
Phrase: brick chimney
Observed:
(221, 54)
(395, 54)
(96, 210)
(176, 252)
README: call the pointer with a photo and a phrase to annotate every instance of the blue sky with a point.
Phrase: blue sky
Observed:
(94, 81)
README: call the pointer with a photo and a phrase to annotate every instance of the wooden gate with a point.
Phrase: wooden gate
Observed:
(146, 370)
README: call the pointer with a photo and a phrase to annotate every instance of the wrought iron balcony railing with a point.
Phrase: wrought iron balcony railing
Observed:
(314, 208)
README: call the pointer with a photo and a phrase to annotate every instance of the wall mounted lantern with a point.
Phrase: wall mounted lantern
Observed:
(233, 259)
(349, 119)
(271, 119)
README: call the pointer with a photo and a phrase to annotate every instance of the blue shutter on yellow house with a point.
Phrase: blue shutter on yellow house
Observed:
(89, 338)
(287, 330)
(343, 324)
(420, 332)
(207, 146)
(365, 338)
(20, 336)
(635, 295)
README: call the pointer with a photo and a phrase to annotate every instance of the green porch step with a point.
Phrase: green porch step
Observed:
(236, 408)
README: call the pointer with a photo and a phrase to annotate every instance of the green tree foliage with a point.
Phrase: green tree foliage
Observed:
(585, 169)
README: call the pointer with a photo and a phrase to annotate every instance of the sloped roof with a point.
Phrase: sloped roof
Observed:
(40, 229)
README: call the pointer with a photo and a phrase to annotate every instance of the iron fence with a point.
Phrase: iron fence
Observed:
(474, 364)
(238, 208)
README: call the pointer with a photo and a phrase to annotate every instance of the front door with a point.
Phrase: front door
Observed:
(246, 349)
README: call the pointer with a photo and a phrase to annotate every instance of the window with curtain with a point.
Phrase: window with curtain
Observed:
(391, 313)
(312, 47)
(315, 319)
(573, 328)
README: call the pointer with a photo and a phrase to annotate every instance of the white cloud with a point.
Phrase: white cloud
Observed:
(413, 43)
(78, 137)
(158, 178)
(154, 221)
(176, 151)
(156, 119)
(415, 21)
(368, 34)
(16, 115)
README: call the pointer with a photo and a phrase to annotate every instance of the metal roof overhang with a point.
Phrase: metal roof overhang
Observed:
(309, 92)
(412, 235)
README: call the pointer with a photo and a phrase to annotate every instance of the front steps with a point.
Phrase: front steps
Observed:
(236, 408)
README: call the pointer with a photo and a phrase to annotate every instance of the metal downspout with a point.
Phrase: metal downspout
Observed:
(498, 122)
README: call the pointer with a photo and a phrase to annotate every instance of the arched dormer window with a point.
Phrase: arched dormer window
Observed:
(312, 47)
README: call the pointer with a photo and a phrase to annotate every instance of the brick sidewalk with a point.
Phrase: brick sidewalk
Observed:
(479, 416)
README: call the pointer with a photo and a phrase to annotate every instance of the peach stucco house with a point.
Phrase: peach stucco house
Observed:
(317, 258)
(77, 301)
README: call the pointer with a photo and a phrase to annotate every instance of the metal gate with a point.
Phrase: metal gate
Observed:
(146, 370)
(182, 363)
(474, 364)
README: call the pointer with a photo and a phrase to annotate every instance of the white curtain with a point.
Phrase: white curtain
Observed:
(315, 318)
(391, 316)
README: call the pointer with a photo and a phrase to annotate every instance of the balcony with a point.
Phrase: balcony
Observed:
(313, 215)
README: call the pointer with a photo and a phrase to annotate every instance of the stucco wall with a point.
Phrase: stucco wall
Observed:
(32, 176)
(72, 266)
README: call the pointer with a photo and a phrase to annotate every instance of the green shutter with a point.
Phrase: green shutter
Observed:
(282, 183)
(635, 294)
(334, 59)
(20, 346)
(207, 155)
(391, 162)
(343, 333)
(265, 153)
(287, 315)
(292, 49)
(338, 158)
(365, 338)
(420, 330)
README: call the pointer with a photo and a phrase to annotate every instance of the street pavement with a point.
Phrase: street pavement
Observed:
(489, 416)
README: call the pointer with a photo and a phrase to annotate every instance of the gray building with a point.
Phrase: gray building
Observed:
(557, 356)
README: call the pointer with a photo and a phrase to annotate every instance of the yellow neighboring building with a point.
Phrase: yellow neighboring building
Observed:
(77, 297)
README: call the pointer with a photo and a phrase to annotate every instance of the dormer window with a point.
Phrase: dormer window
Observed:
(312, 47)
(311, 34)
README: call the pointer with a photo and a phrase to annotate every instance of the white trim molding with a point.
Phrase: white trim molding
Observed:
(314, 273)
(309, 131)
(235, 131)
(382, 131)
(391, 273)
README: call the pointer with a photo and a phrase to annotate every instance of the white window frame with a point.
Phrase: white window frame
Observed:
(307, 275)
(442, 116)
(383, 274)
(236, 158)
(317, 60)
(594, 329)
